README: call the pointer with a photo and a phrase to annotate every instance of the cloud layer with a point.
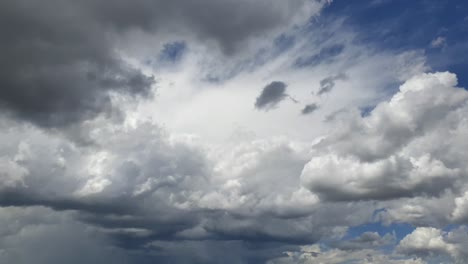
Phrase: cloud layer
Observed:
(128, 135)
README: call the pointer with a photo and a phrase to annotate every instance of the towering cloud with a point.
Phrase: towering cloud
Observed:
(387, 155)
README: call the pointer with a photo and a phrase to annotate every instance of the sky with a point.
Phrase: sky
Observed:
(234, 131)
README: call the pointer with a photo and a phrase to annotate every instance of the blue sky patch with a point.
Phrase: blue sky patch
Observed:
(173, 51)
(439, 28)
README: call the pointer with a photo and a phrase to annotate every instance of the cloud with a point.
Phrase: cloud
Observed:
(315, 254)
(381, 156)
(427, 241)
(160, 183)
(438, 42)
(61, 68)
(25, 230)
(367, 240)
(271, 96)
(327, 84)
(310, 108)
(326, 54)
(147, 196)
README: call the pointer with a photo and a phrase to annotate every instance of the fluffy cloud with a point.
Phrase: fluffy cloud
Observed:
(426, 241)
(141, 188)
(116, 138)
(385, 155)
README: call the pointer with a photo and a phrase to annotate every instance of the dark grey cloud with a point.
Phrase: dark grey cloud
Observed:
(22, 198)
(60, 61)
(310, 108)
(66, 240)
(327, 84)
(58, 64)
(271, 96)
(227, 22)
(426, 242)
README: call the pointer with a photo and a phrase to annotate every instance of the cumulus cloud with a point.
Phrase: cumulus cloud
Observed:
(148, 194)
(381, 156)
(427, 241)
(142, 189)
(152, 188)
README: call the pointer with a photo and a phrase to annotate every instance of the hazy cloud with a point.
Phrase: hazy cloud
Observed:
(326, 54)
(310, 108)
(327, 84)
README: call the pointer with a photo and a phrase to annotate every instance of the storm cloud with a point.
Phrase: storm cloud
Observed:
(60, 68)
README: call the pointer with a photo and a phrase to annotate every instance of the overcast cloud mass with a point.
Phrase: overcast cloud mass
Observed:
(233, 131)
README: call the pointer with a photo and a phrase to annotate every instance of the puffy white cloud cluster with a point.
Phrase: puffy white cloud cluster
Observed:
(145, 188)
(424, 241)
(411, 145)
(314, 254)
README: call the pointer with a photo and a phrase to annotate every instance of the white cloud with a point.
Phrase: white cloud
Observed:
(438, 42)
(380, 156)
(427, 241)
(196, 171)
(315, 255)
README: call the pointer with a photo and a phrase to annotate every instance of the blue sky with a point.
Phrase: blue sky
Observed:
(403, 25)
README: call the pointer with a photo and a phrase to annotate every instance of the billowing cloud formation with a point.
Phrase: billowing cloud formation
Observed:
(60, 67)
(271, 96)
(426, 241)
(387, 154)
(165, 181)
(166, 198)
